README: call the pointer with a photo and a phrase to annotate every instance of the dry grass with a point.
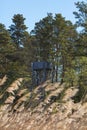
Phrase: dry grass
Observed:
(57, 116)
(3, 80)
(9, 100)
(14, 86)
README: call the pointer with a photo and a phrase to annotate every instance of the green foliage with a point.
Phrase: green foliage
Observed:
(6, 48)
(12, 62)
(43, 32)
(4, 35)
(17, 30)
(81, 49)
(81, 15)
(71, 77)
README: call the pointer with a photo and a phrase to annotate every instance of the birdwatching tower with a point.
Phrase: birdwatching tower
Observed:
(41, 71)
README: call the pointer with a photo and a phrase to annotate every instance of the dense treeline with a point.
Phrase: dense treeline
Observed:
(53, 39)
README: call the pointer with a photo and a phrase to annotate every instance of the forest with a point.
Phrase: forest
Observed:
(53, 39)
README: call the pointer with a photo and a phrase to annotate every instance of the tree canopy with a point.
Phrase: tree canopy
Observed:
(53, 39)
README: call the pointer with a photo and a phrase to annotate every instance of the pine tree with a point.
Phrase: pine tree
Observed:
(81, 48)
(63, 39)
(43, 33)
(17, 30)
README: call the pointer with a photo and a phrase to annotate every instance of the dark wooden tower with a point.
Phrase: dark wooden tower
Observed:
(41, 71)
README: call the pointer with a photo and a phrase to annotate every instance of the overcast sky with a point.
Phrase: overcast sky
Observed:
(34, 10)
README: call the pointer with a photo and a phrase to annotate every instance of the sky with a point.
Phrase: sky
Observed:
(35, 10)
